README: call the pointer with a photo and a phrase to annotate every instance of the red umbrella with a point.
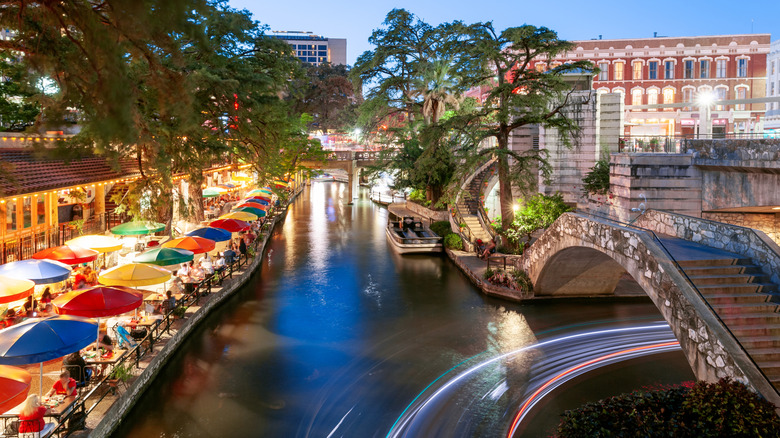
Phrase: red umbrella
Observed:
(14, 384)
(252, 205)
(70, 255)
(232, 225)
(98, 301)
(263, 198)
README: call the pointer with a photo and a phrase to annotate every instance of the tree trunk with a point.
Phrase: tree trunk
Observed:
(195, 192)
(504, 182)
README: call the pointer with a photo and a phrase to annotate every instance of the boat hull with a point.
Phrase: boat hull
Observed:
(412, 245)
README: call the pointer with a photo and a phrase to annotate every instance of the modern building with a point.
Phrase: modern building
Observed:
(315, 49)
(772, 119)
(678, 70)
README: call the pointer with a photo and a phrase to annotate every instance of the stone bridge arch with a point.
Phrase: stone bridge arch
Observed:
(577, 250)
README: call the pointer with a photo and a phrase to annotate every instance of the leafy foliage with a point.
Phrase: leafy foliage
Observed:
(441, 228)
(453, 241)
(721, 409)
(326, 93)
(538, 212)
(512, 279)
(597, 180)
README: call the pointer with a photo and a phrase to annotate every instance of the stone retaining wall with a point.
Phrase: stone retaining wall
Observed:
(752, 243)
(427, 213)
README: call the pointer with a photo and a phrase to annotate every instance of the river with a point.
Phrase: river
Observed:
(337, 336)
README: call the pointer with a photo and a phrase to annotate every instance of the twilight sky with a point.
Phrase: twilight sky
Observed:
(573, 20)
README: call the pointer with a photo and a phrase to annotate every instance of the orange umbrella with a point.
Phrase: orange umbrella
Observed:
(14, 289)
(14, 384)
(198, 245)
(70, 255)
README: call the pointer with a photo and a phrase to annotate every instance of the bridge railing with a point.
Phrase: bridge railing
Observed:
(673, 144)
(690, 282)
(361, 155)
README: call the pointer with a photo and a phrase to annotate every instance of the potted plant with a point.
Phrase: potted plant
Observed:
(179, 311)
(120, 373)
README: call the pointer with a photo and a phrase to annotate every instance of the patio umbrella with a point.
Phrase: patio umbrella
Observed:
(241, 178)
(255, 211)
(258, 199)
(135, 275)
(40, 340)
(40, 271)
(14, 384)
(163, 256)
(227, 186)
(262, 198)
(14, 289)
(198, 245)
(240, 215)
(230, 225)
(70, 255)
(101, 244)
(212, 192)
(217, 234)
(254, 204)
(280, 184)
(137, 228)
(98, 301)
(260, 192)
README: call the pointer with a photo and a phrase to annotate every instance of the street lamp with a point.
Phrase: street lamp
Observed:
(705, 100)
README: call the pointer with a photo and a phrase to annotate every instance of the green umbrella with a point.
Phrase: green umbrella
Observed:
(137, 228)
(255, 211)
(213, 192)
(164, 256)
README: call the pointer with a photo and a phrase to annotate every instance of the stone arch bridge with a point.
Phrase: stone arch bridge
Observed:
(584, 255)
(351, 162)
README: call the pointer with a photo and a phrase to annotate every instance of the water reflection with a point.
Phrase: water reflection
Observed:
(339, 336)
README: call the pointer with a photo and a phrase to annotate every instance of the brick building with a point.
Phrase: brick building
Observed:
(666, 70)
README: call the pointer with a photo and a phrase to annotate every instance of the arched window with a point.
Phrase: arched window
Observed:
(668, 97)
(652, 98)
(636, 96)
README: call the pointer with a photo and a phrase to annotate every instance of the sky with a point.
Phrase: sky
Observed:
(573, 20)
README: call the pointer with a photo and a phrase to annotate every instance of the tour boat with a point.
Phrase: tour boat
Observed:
(408, 235)
(323, 177)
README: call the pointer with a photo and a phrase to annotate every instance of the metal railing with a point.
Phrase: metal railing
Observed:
(690, 282)
(675, 144)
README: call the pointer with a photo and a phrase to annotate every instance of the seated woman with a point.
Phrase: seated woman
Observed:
(90, 276)
(44, 305)
(31, 416)
(489, 249)
(66, 386)
(196, 274)
(105, 342)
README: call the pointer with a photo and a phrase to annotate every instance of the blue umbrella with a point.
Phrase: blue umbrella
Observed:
(39, 271)
(211, 233)
(40, 340)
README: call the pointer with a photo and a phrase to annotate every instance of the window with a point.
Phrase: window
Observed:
(27, 212)
(638, 70)
(10, 216)
(636, 97)
(652, 70)
(687, 97)
(40, 210)
(720, 94)
(741, 94)
(652, 98)
(742, 68)
(720, 68)
(669, 97)
(619, 71)
(772, 68)
(669, 70)
(772, 89)
(688, 73)
(603, 71)
(704, 69)
(540, 66)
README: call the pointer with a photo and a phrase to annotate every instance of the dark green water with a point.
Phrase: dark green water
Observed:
(338, 336)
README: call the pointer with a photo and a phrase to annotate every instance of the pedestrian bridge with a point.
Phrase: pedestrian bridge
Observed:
(351, 162)
(714, 284)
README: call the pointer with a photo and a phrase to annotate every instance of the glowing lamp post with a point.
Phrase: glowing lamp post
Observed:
(704, 101)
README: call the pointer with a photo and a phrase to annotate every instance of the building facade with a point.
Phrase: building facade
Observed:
(772, 120)
(315, 49)
(681, 70)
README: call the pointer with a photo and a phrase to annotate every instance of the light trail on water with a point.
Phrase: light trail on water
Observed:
(552, 363)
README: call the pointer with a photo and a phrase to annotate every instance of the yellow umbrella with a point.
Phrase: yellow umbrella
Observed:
(101, 244)
(135, 275)
(240, 215)
(241, 178)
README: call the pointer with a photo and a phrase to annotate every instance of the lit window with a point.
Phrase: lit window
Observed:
(772, 68)
(720, 68)
(603, 71)
(669, 70)
(669, 97)
(10, 216)
(41, 210)
(720, 94)
(687, 97)
(637, 70)
(636, 97)
(652, 70)
(652, 98)
(619, 71)
(742, 67)
(704, 69)
(688, 69)
(741, 94)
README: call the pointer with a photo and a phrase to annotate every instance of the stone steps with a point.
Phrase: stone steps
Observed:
(760, 341)
(724, 279)
(756, 330)
(700, 263)
(735, 298)
(749, 318)
(738, 309)
(722, 270)
(764, 355)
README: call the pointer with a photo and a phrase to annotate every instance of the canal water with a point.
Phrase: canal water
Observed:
(337, 336)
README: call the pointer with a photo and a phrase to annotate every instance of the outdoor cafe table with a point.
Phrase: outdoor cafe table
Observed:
(91, 358)
(59, 406)
(157, 297)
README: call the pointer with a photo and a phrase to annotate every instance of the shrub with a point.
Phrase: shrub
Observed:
(441, 228)
(514, 279)
(453, 241)
(725, 408)
(417, 196)
(597, 180)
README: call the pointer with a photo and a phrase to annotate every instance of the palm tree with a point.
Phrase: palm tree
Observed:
(436, 87)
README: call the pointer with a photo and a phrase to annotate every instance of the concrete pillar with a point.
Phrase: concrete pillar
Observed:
(100, 199)
(354, 180)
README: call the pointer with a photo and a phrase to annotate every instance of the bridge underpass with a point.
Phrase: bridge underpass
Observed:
(351, 162)
(719, 303)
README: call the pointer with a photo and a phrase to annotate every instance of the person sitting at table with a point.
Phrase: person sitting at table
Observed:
(66, 386)
(10, 318)
(31, 416)
(30, 306)
(77, 367)
(105, 342)
(90, 276)
(196, 274)
(168, 304)
(184, 270)
(207, 265)
(229, 255)
(44, 305)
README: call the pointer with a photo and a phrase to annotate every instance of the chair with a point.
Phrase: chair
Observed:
(48, 428)
(84, 373)
(123, 337)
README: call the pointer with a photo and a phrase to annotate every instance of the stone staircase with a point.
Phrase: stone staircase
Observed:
(117, 188)
(468, 205)
(742, 296)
